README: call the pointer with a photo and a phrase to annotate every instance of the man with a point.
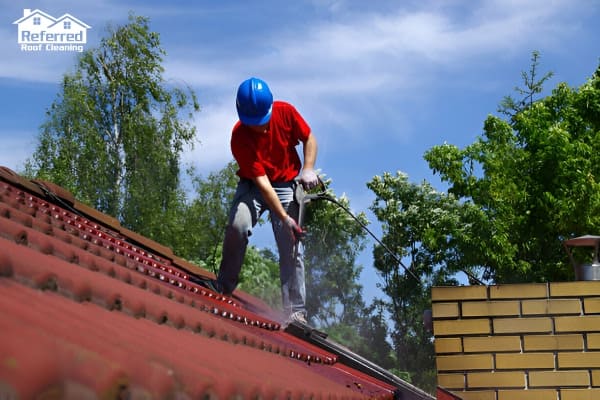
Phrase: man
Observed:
(263, 143)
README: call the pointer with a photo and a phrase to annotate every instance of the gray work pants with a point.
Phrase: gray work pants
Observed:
(247, 206)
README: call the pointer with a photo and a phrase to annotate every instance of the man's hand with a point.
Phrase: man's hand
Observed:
(294, 228)
(309, 179)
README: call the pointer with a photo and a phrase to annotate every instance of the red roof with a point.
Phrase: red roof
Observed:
(89, 309)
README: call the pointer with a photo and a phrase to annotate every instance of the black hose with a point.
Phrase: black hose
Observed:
(329, 198)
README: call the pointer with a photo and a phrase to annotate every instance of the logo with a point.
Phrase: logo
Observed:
(38, 31)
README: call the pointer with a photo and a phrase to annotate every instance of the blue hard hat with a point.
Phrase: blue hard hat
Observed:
(254, 102)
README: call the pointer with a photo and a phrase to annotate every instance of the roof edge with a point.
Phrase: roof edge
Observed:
(53, 192)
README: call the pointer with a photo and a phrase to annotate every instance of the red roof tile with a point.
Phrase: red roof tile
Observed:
(91, 310)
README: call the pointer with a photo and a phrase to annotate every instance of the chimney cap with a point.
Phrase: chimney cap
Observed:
(583, 241)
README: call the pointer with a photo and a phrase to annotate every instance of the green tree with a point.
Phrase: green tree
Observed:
(260, 276)
(116, 131)
(535, 178)
(334, 293)
(206, 215)
(333, 242)
(374, 343)
(419, 226)
(533, 86)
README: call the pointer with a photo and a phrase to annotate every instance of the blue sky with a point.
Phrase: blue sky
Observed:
(380, 82)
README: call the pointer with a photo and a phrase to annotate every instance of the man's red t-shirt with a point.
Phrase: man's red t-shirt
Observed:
(272, 153)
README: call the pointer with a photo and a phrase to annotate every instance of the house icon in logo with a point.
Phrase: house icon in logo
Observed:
(40, 31)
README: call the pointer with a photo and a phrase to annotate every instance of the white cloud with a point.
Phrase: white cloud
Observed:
(342, 70)
(31, 66)
(200, 73)
(213, 125)
(382, 50)
(372, 51)
(339, 72)
(46, 66)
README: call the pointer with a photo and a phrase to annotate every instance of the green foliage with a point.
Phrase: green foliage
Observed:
(511, 107)
(206, 215)
(260, 276)
(373, 330)
(535, 179)
(114, 135)
(417, 218)
(333, 241)
(334, 293)
(420, 225)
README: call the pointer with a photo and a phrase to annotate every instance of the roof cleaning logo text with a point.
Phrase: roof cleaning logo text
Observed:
(38, 31)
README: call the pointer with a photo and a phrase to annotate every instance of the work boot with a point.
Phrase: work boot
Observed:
(297, 316)
(214, 285)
